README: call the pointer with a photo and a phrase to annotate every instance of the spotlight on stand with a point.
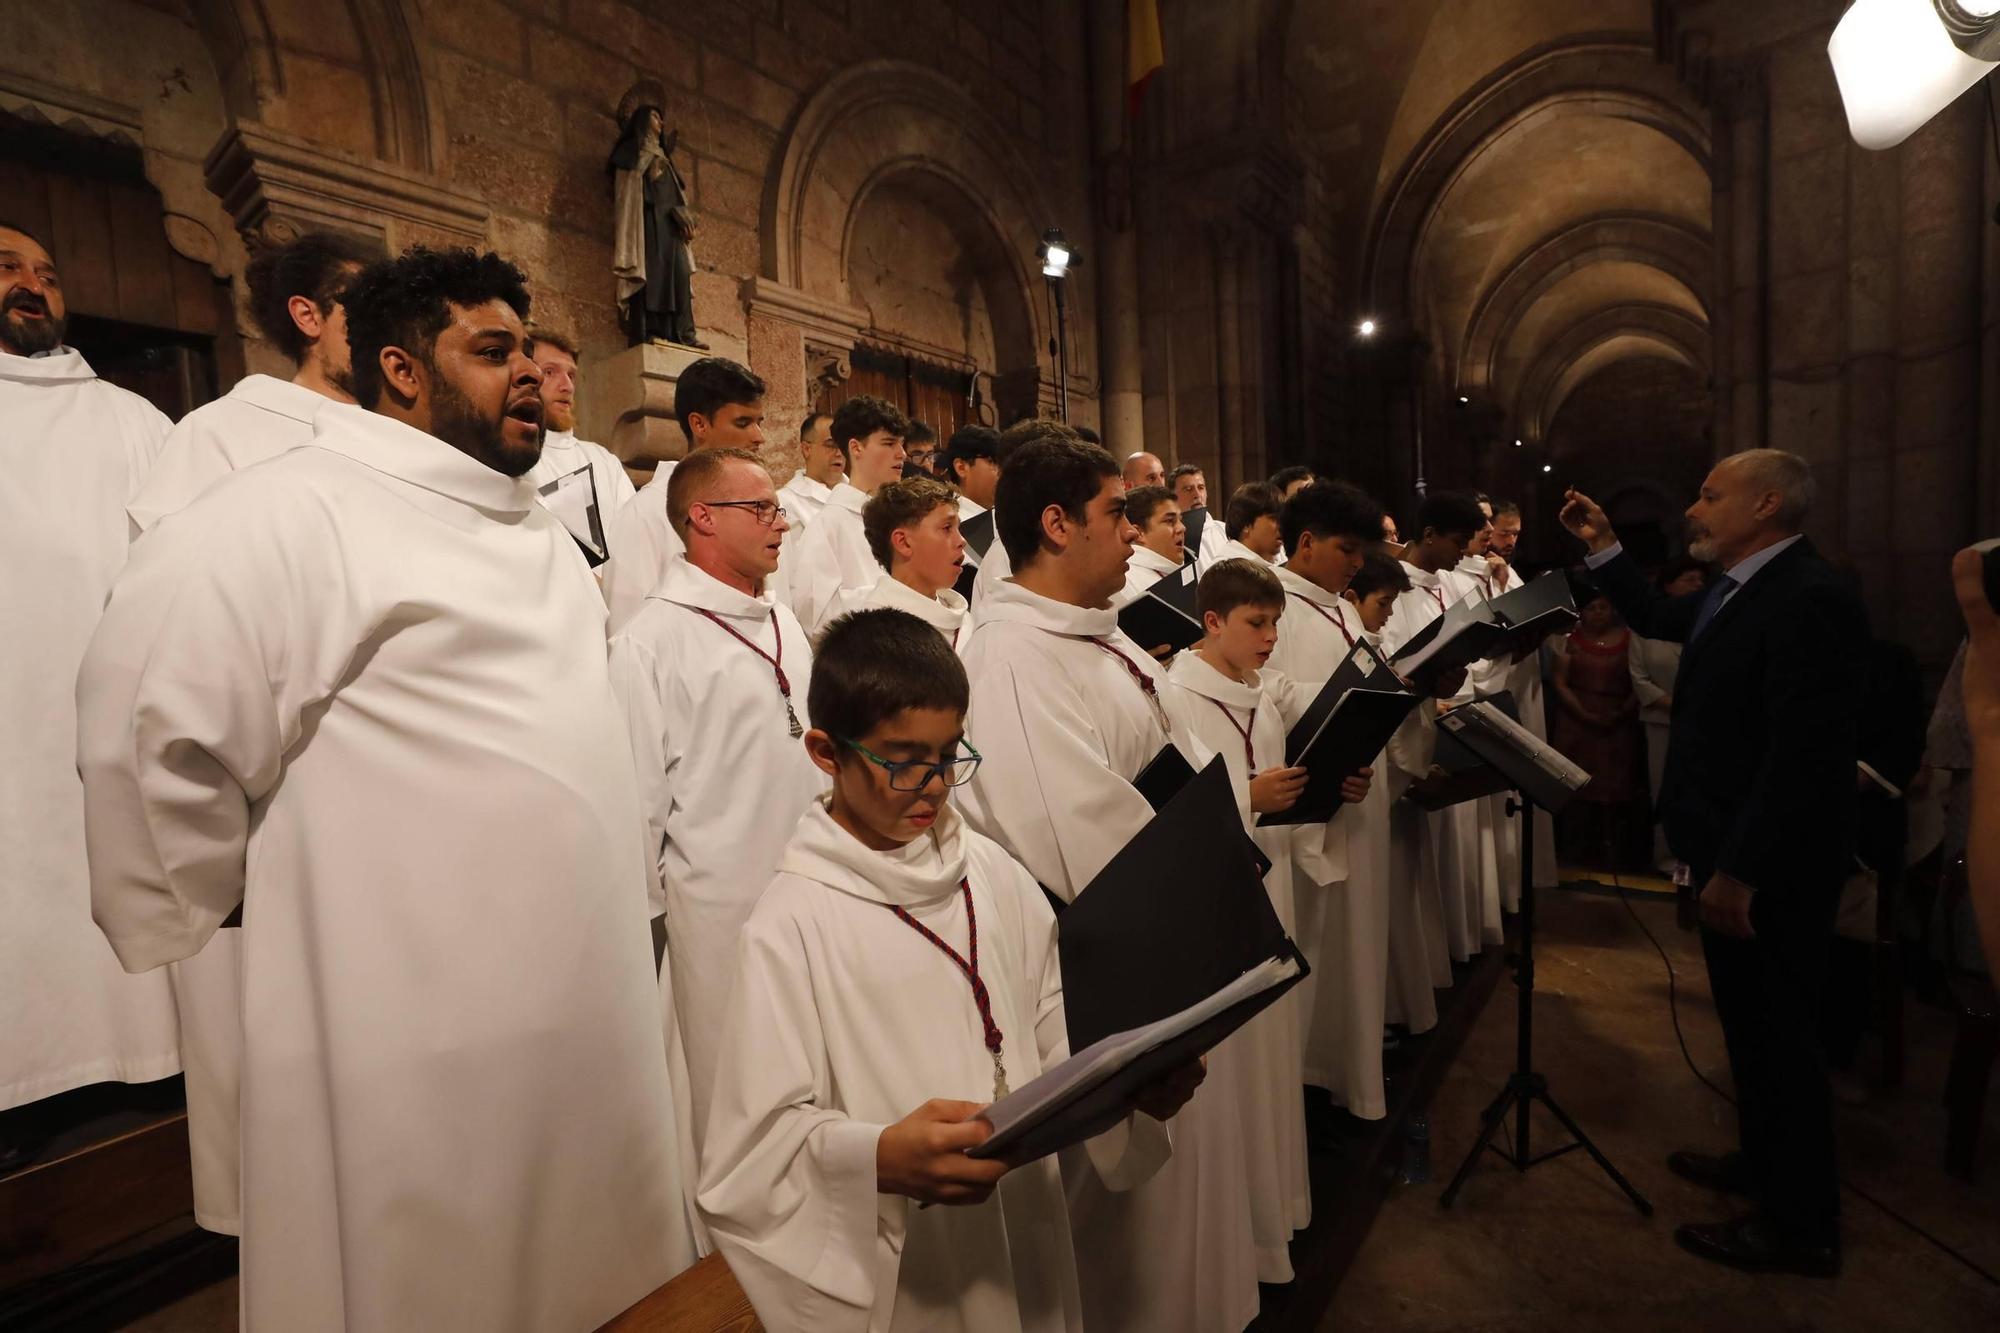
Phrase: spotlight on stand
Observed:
(1366, 328)
(1057, 259)
(1900, 62)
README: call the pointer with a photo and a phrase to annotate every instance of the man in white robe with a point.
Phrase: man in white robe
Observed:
(1482, 823)
(357, 691)
(1525, 680)
(76, 450)
(295, 295)
(1251, 524)
(1190, 487)
(712, 672)
(1161, 548)
(720, 405)
(834, 554)
(563, 453)
(821, 467)
(1067, 712)
(912, 527)
(860, 1053)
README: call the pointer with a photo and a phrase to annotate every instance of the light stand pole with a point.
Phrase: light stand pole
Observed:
(1057, 258)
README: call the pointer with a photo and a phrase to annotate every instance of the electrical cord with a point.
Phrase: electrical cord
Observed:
(1674, 1008)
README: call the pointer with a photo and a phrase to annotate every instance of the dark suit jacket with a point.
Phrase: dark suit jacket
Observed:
(1759, 778)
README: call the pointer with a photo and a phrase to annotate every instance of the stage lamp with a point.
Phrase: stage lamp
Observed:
(1366, 328)
(1900, 62)
(1463, 400)
(1548, 467)
(1055, 254)
(1517, 444)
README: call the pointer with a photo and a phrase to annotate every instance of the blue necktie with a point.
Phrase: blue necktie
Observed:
(1710, 605)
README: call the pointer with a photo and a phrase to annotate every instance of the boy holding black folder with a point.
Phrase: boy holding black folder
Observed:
(1223, 693)
(1067, 710)
(899, 973)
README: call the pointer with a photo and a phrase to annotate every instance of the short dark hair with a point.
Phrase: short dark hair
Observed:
(1185, 470)
(1229, 584)
(863, 415)
(806, 426)
(711, 384)
(1253, 500)
(1502, 508)
(1142, 502)
(1054, 470)
(901, 504)
(562, 342)
(968, 444)
(1451, 513)
(1025, 432)
(8, 224)
(868, 666)
(1377, 572)
(918, 432)
(1330, 509)
(1087, 435)
(316, 266)
(691, 477)
(406, 302)
(1285, 476)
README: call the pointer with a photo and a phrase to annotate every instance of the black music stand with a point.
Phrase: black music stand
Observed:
(1524, 1086)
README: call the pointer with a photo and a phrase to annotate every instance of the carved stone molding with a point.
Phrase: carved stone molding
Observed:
(276, 185)
(630, 407)
(826, 366)
(827, 324)
(69, 109)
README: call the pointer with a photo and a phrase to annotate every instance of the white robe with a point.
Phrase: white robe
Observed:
(945, 612)
(358, 690)
(846, 1020)
(562, 454)
(833, 556)
(1146, 568)
(260, 418)
(722, 783)
(1235, 550)
(1345, 882)
(1213, 539)
(1260, 1064)
(1477, 823)
(642, 544)
(1065, 728)
(994, 567)
(803, 498)
(75, 450)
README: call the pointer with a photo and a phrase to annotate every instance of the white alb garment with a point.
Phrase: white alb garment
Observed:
(1065, 726)
(563, 453)
(1235, 550)
(833, 556)
(1213, 539)
(1146, 568)
(945, 612)
(1259, 1064)
(75, 450)
(803, 498)
(358, 690)
(643, 544)
(722, 781)
(260, 418)
(844, 1021)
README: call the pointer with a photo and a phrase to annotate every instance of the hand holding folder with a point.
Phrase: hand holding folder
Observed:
(1346, 726)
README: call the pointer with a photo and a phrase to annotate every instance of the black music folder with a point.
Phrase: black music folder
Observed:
(1530, 764)
(1535, 610)
(1458, 774)
(572, 498)
(1467, 632)
(1172, 947)
(1164, 777)
(1194, 521)
(1349, 739)
(978, 534)
(1167, 613)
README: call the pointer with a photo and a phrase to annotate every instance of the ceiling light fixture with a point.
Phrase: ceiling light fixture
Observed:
(1366, 328)
(1900, 62)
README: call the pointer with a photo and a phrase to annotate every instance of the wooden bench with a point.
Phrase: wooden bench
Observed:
(705, 1299)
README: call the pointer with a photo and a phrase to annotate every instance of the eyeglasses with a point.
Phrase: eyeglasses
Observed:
(916, 774)
(766, 512)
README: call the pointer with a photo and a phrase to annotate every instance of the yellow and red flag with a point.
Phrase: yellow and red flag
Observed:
(1144, 52)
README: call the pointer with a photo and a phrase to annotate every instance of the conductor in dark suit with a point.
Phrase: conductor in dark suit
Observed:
(1757, 801)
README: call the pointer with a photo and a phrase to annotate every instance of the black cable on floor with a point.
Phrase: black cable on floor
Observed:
(1674, 1008)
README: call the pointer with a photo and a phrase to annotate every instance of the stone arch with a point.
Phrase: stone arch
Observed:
(1599, 339)
(886, 121)
(1607, 76)
(1677, 249)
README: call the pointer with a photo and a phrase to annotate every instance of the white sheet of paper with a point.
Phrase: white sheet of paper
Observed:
(573, 500)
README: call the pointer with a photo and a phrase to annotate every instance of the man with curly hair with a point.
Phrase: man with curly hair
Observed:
(360, 692)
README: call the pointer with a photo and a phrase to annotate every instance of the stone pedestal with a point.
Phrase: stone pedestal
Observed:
(627, 403)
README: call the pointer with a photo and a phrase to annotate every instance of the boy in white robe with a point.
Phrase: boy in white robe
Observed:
(712, 673)
(1066, 709)
(295, 293)
(357, 690)
(76, 449)
(1222, 692)
(861, 1048)
(821, 466)
(834, 554)
(912, 527)
(719, 405)
(1251, 523)
(563, 453)
(1161, 549)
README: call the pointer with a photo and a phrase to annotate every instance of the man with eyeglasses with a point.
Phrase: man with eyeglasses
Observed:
(712, 671)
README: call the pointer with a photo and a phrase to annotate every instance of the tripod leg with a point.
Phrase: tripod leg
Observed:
(1490, 1120)
(1576, 1132)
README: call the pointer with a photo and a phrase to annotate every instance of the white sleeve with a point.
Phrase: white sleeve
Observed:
(788, 1187)
(1043, 791)
(189, 463)
(635, 679)
(641, 544)
(188, 699)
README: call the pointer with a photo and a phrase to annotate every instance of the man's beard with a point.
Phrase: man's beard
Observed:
(460, 425)
(1700, 545)
(29, 336)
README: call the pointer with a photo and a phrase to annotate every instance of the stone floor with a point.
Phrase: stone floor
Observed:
(1561, 1249)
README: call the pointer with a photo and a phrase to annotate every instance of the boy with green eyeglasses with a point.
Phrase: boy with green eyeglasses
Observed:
(899, 973)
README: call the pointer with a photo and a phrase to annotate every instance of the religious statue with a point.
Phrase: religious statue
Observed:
(653, 228)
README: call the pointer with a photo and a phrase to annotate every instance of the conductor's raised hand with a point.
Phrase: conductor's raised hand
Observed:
(1354, 787)
(1276, 789)
(1163, 1098)
(1585, 519)
(922, 1156)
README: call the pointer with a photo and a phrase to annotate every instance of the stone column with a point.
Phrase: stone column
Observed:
(1116, 263)
(1742, 178)
(1226, 243)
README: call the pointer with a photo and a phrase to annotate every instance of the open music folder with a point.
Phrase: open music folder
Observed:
(1172, 947)
(1166, 614)
(1467, 632)
(572, 498)
(1542, 773)
(1341, 732)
